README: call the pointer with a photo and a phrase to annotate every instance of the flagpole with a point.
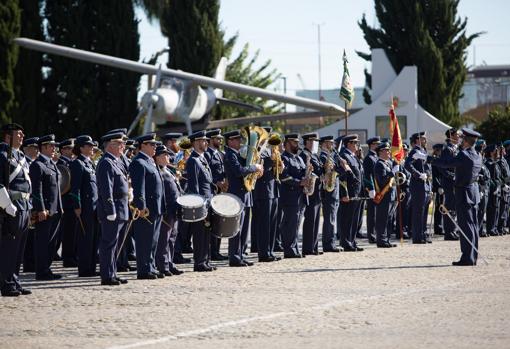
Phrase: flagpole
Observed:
(346, 116)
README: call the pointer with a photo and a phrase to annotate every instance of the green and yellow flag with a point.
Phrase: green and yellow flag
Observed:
(346, 91)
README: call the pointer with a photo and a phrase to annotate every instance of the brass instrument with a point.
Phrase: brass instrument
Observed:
(274, 141)
(310, 177)
(183, 154)
(255, 137)
(380, 194)
(400, 178)
(65, 178)
(330, 174)
(98, 153)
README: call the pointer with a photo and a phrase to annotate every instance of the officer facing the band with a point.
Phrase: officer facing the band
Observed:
(15, 207)
(112, 205)
(149, 201)
(368, 183)
(292, 197)
(47, 202)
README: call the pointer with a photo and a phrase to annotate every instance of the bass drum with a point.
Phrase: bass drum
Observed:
(226, 212)
(192, 208)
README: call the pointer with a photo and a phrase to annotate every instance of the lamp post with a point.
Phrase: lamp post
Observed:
(284, 78)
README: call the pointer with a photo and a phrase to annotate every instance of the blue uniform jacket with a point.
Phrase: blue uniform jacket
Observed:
(495, 173)
(448, 174)
(291, 192)
(21, 182)
(172, 192)
(236, 169)
(416, 168)
(215, 160)
(147, 185)
(368, 169)
(67, 200)
(83, 184)
(265, 185)
(354, 177)
(45, 186)
(112, 187)
(199, 176)
(467, 164)
(323, 158)
(318, 170)
(383, 172)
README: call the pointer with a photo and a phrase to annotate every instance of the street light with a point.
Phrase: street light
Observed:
(284, 78)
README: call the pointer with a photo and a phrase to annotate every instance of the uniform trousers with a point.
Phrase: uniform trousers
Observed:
(45, 240)
(385, 212)
(289, 228)
(146, 242)
(108, 246)
(419, 213)
(166, 244)
(236, 244)
(449, 201)
(201, 243)
(468, 222)
(87, 241)
(371, 221)
(492, 214)
(329, 226)
(263, 220)
(349, 223)
(68, 236)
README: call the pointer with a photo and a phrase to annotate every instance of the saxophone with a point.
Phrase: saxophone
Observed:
(330, 174)
(310, 177)
(274, 141)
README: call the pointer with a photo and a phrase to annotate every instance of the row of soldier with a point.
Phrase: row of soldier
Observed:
(126, 204)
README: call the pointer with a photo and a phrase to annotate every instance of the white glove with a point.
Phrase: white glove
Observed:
(11, 210)
(423, 177)
(111, 217)
(371, 194)
(419, 156)
(506, 188)
(440, 191)
(130, 195)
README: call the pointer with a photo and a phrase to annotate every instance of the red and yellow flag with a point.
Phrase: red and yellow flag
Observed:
(397, 150)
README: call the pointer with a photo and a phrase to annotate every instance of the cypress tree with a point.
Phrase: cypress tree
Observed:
(9, 29)
(430, 35)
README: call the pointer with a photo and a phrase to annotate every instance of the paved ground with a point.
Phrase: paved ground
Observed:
(406, 297)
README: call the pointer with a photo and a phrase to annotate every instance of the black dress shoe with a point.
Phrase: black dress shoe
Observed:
(420, 242)
(176, 271)
(334, 249)
(350, 249)
(110, 282)
(248, 263)
(276, 258)
(48, 277)
(179, 259)
(132, 257)
(384, 245)
(122, 281)
(167, 273)
(237, 264)
(159, 275)
(218, 257)
(212, 266)
(267, 259)
(463, 263)
(146, 277)
(10, 292)
(202, 268)
(359, 249)
(88, 274)
(24, 291)
(451, 237)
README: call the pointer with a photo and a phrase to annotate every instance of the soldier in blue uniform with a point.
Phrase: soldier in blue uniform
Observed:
(353, 179)
(313, 202)
(450, 150)
(437, 189)
(170, 142)
(84, 205)
(505, 191)
(199, 182)
(214, 157)
(506, 157)
(484, 179)
(31, 152)
(47, 204)
(384, 172)
(491, 161)
(368, 184)
(338, 161)
(149, 199)
(168, 232)
(236, 169)
(292, 197)
(420, 187)
(112, 205)
(467, 164)
(66, 232)
(15, 207)
(330, 197)
(265, 207)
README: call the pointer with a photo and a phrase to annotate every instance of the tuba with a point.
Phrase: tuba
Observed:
(183, 154)
(330, 174)
(274, 141)
(255, 137)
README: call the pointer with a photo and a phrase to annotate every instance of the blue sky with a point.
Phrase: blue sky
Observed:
(285, 31)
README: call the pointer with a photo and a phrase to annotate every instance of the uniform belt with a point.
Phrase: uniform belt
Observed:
(18, 195)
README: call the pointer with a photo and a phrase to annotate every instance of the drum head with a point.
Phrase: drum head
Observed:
(226, 205)
(191, 201)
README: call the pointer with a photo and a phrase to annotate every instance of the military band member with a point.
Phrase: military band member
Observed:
(467, 164)
(505, 191)
(353, 187)
(484, 179)
(236, 169)
(313, 202)
(112, 205)
(149, 200)
(15, 190)
(506, 145)
(329, 193)
(337, 148)
(450, 150)
(292, 197)
(491, 161)
(438, 191)
(31, 152)
(66, 232)
(200, 182)
(420, 187)
(215, 157)
(84, 206)
(384, 173)
(47, 204)
(170, 142)
(368, 184)
(265, 207)
(168, 232)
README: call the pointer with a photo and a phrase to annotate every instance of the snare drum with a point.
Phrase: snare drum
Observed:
(192, 208)
(226, 212)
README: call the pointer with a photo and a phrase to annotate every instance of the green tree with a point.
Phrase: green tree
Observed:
(10, 19)
(28, 73)
(496, 128)
(430, 35)
(83, 97)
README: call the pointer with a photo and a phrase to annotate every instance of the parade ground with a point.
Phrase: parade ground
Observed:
(405, 297)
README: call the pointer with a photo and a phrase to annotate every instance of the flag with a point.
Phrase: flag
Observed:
(346, 91)
(397, 150)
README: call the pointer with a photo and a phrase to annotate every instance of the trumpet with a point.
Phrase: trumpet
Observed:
(274, 141)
